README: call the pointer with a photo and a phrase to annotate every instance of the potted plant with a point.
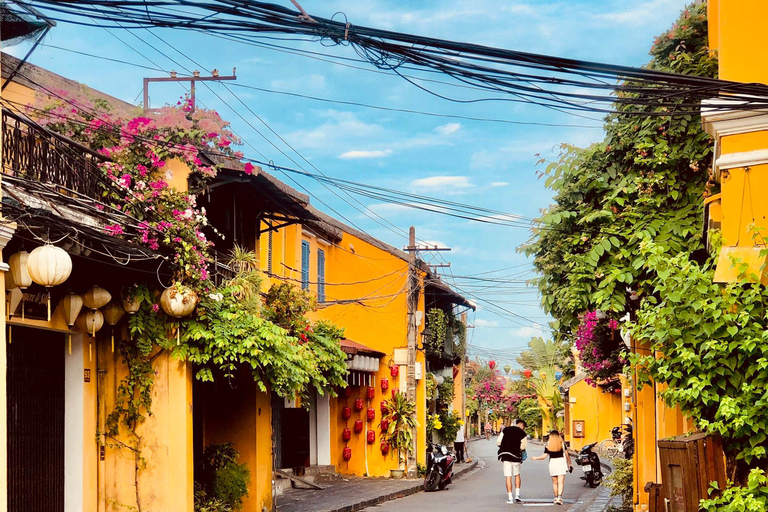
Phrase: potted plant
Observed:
(401, 417)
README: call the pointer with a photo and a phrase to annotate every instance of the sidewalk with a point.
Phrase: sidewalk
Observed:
(354, 493)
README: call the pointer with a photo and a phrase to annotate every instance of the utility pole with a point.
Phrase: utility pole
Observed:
(412, 300)
(215, 77)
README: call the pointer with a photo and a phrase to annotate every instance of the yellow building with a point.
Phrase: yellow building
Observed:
(591, 411)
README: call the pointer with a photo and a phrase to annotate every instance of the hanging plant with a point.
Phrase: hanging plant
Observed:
(600, 347)
(437, 322)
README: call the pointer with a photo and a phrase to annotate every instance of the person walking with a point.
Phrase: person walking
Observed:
(512, 442)
(559, 463)
(458, 444)
(487, 431)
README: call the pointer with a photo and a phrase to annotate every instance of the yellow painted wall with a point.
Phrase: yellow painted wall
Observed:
(600, 412)
(737, 30)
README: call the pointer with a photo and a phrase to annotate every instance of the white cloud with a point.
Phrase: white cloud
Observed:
(338, 127)
(442, 183)
(480, 322)
(448, 129)
(499, 184)
(360, 154)
(526, 332)
(644, 13)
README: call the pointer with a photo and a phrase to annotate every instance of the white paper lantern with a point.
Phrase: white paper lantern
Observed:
(113, 312)
(18, 264)
(96, 297)
(71, 305)
(49, 265)
(178, 301)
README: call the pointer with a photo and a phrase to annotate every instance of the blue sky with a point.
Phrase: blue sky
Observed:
(480, 163)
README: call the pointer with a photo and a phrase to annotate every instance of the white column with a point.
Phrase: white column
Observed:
(323, 407)
(312, 430)
(6, 232)
(73, 424)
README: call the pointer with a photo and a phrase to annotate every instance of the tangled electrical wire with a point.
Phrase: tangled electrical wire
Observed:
(509, 75)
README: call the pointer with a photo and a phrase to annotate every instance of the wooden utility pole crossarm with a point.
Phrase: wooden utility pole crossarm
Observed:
(215, 77)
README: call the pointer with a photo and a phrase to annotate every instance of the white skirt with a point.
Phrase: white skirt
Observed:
(558, 466)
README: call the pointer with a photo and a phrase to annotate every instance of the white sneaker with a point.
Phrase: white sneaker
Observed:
(510, 501)
(518, 500)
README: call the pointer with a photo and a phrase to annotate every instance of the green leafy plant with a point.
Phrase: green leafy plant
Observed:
(437, 322)
(752, 497)
(431, 386)
(445, 393)
(620, 481)
(529, 411)
(223, 482)
(401, 415)
(451, 422)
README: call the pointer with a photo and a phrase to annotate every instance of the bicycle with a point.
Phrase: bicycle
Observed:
(608, 448)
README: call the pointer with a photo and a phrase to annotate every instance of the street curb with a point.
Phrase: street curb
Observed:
(417, 487)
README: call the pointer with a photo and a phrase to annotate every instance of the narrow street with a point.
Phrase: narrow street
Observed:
(483, 489)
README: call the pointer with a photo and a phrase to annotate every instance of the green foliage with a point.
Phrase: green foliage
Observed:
(437, 321)
(529, 411)
(645, 180)
(620, 481)
(223, 482)
(752, 497)
(401, 414)
(445, 392)
(459, 338)
(712, 343)
(431, 387)
(287, 306)
(544, 353)
(452, 422)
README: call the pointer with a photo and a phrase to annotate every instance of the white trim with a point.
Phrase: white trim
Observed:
(323, 408)
(719, 122)
(323, 242)
(73, 425)
(743, 159)
(313, 430)
(306, 232)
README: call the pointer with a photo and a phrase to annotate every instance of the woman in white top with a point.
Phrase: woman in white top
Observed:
(458, 444)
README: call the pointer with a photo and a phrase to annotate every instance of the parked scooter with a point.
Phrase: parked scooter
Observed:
(439, 467)
(590, 464)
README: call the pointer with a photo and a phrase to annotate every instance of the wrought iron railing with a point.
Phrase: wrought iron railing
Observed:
(30, 151)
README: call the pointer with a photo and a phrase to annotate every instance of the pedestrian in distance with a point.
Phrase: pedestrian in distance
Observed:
(559, 463)
(458, 444)
(512, 443)
(487, 431)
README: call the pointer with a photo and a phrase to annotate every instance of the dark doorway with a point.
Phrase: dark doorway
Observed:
(291, 428)
(35, 421)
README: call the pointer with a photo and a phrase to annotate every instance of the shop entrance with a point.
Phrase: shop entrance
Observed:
(35, 420)
(291, 430)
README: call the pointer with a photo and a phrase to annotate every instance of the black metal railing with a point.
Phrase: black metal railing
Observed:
(31, 152)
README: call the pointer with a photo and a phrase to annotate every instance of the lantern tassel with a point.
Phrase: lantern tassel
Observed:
(9, 334)
(22, 308)
(178, 334)
(90, 356)
(69, 338)
(113, 340)
(49, 305)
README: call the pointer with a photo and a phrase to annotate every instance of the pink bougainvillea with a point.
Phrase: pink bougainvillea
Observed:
(600, 347)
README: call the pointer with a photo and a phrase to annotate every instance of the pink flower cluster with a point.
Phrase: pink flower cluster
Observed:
(599, 346)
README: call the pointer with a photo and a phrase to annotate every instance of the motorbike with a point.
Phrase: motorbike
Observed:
(622, 436)
(590, 464)
(439, 467)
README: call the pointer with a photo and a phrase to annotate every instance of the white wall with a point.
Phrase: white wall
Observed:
(323, 422)
(73, 425)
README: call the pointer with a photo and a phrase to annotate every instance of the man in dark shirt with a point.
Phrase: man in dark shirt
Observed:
(512, 442)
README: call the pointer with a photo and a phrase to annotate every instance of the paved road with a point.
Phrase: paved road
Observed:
(483, 489)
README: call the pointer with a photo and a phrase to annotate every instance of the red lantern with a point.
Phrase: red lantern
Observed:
(371, 394)
(394, 370)
(346, 434)
(371, 414)
(492, 365)
(346, 413)
(347, 391)
(358, 404)
(384, 384)
(347, 453)
(384, 425)
(358, 426)
(384, 408)
(371, 437)
(395, 391)
(527, 372)
(384, 447)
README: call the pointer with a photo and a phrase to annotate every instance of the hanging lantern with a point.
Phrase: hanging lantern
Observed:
(384, 425)
(384, 408)
(371, 414)
(384, 384)
(71, 305)
(395, 391)
(49, 266)
(347, 391)
(346, 413)
(347, 453)
(358, 404)
(527, 373)
(90, 322)
(558, 375)
(131, 303)
(507, 369)
(346, 434)
(358, 426)
(492, 364)
(394, 370)
(178, 301)
(371, 436)
(384, 447)
(371, 393)
(96, 297)
(18, 265)
(113, 312)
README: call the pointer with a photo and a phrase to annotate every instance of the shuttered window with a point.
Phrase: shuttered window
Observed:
(304, 265)
(321, 275)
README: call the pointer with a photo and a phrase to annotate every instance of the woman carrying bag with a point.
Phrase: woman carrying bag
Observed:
(559, 463)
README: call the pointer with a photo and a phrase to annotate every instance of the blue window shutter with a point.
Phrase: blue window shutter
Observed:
(304, 265)
(320, 275)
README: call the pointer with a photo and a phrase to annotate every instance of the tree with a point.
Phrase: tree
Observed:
(543, 354)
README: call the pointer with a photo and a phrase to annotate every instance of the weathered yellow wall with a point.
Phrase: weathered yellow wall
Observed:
(738, 30)
(600, 412)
